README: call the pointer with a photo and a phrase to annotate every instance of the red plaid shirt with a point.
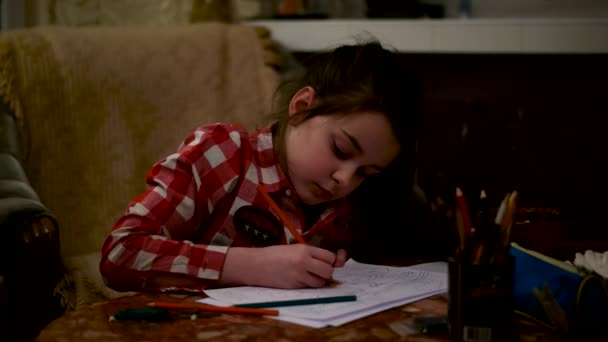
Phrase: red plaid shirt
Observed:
(202, 200)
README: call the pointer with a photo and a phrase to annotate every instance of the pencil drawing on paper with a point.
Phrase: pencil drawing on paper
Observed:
(372, 284)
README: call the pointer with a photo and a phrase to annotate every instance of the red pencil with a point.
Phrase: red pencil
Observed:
(284, 218)
(212, 308)
(464, 211)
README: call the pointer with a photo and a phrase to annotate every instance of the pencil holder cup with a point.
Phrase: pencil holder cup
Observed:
(480, 301)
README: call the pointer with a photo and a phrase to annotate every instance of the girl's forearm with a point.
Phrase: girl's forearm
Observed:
(176, 280)
(239, 267)
(238, 270)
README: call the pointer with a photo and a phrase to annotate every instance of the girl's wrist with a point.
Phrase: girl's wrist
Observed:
(239, 268)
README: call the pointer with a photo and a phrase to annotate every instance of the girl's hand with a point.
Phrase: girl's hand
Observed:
(281, 266)
(341, 258)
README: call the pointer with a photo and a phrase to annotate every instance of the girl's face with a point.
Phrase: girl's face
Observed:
(329, 156)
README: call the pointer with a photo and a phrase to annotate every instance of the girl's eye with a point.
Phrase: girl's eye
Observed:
(338, 151)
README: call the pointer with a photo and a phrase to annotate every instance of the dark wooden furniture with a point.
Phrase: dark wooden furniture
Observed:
(531, 122)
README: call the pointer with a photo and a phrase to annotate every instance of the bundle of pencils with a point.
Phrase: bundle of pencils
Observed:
(484, 240)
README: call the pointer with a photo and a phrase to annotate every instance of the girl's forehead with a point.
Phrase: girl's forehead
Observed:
(366, 120)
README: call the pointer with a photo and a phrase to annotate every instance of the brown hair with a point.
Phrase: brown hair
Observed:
(350, 79)
(365, 77)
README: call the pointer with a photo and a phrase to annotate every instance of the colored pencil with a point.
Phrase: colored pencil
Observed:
(501, 210)
(484, 218)
(464, 212)
(282, 216)
(213, 308)
(463, 224)
(295, 302)
(505, 228)
(507, 221)
(461, 233)
(483, 233)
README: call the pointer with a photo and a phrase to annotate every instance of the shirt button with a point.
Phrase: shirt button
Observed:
(288, 192)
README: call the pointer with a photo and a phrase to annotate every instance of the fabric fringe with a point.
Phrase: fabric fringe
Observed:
(65, 291)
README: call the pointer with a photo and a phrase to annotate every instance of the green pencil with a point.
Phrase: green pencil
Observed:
(294, 302)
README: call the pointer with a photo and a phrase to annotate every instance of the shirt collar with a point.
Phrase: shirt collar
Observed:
(271, 175)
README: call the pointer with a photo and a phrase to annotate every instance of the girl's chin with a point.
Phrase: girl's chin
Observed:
(310, 195)
(309, 198)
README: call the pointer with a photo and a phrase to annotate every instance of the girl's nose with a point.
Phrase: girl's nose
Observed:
(346, 179)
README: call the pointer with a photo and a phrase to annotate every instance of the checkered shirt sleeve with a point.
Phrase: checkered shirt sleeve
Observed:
(154, 236)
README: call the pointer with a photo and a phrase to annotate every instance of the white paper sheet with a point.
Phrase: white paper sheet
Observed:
(377, 288)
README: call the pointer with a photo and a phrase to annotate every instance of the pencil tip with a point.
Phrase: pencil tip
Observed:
(513, 195)
(483, 194)
(458, 191)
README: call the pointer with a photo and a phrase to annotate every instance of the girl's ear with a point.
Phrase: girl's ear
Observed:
(301, 100)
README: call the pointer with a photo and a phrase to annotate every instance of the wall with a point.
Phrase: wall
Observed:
(25, 13)
(20, 13)
(528, 8)
(532, 123)
(13, 14)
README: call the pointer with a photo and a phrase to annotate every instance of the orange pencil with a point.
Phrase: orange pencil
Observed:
(282, 215)
(287, 222)
(212, 308)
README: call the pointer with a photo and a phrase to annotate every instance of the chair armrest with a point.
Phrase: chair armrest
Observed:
(30, 261)
(11, 169)
(20, 205)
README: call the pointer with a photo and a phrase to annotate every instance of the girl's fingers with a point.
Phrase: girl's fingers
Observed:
(340, 258)
(320, 269)
(328, 257)
(312, 280)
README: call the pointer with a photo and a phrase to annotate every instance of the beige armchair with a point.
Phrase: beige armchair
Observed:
(91, 110)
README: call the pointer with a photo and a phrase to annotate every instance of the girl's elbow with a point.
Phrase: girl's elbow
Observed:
(117, 276)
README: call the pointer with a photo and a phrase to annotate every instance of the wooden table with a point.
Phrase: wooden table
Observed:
(91, 323)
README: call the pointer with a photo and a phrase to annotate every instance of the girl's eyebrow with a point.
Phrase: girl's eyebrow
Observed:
(359, 149)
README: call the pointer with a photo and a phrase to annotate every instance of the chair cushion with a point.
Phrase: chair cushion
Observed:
(100, 105)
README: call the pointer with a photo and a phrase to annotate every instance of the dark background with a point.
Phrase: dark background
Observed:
(535, 123)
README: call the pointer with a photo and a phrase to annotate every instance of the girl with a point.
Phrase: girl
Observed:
(202, 222)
